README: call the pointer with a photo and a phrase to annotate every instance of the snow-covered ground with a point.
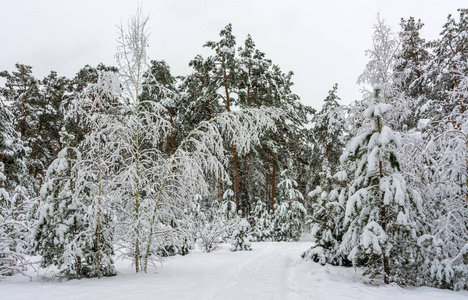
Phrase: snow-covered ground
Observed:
(270, 271)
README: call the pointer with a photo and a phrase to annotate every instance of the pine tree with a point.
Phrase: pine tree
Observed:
(262, 220)
(14, 228)
(21, 91)
(64, 234)
(409, 71)
(380, 213)
(160, 86)
(97, 108)
(36, 107)
(13, 151)
(240, 240)
(75, 108)
(381, 230)
(46, 143)
(329, 196)
(265, 84)
(289, 214)
(328, 133)
(253, 71)
(444, 171)
(224, 72)
(15, 206)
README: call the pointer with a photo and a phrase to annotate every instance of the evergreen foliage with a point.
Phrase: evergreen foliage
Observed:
(64, 234)
(240, 240)
(380, 214)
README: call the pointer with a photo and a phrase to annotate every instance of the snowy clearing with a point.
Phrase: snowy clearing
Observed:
(269, 271)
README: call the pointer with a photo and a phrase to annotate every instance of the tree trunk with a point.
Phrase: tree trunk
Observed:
(465, 257)
(383, 213)
(98, 225)
(273, 187)
(137, 191)
(234, 154)
(244, 183)
(463, 110)
(220, 179)
(173, 142)
(78, 267)
(2, 182)
(236, 175)
(267, 182)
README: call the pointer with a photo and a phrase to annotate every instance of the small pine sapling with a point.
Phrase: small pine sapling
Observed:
(241, 237)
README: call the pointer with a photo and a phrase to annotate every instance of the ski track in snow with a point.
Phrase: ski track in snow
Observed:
(273, 271)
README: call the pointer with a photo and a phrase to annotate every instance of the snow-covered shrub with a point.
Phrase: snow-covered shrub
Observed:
(211, 224)
(289, 215)
(15, 203)
(288, 221)
(326, 221)
(14, 230)
(240, 239)
(438, 268)
(261, 220)
(171, 237)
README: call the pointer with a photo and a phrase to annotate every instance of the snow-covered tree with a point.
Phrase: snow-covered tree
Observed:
(247, 79)
(289, 214)
(201, 156)
(329, 135)
(97, 108)
(436, 157)
(134, 141)
(64, 233)
(288, 221)
(79, 104)
(380, 213)
(210, 223)
(224, 74)
(21, 94)
(160, 86)
(35, 106)
(410, 88)
(329, 196)
(15, 206)
(382, 57)
(326, 221)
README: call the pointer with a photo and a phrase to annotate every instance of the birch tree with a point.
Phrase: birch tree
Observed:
(138, 129)
(201, 156)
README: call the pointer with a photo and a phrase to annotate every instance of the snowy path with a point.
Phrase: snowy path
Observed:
(271, 271)
(264, 275)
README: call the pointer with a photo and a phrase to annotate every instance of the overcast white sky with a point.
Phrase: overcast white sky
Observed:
(323, 42)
